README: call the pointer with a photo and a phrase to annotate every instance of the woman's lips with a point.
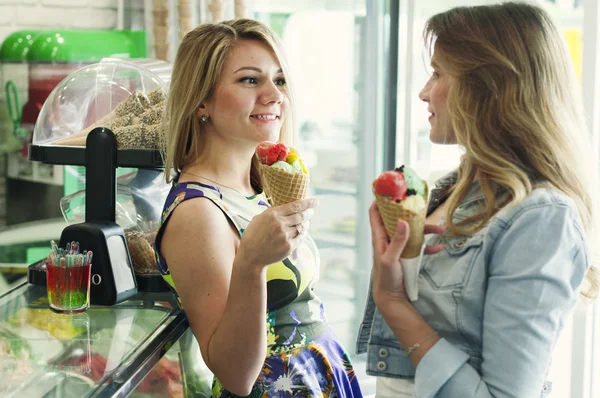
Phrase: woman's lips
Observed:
(265, 118)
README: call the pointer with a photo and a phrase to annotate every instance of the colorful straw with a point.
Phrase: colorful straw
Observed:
(70, 255)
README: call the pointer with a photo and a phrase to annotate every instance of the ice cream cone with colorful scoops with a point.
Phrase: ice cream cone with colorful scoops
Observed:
(283, 174)
(402, 195)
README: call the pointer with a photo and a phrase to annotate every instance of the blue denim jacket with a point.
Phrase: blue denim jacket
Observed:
(498, 299)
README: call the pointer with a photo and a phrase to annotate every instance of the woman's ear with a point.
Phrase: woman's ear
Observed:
(201, 110)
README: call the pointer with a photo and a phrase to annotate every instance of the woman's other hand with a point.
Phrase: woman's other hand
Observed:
(388, 278)
(274, 234)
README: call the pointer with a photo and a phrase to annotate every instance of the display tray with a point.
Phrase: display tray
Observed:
(145, 282)
(75, 156)
(151, 283)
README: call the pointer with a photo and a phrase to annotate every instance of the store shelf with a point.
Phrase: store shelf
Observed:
(19, 168)
(31, 232)
(75, 156)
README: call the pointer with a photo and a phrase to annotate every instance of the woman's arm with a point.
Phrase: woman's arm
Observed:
(535, 271)
(221, 280)
(224, 299)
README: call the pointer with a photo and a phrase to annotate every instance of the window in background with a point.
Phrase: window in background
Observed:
(329, 46)
(429, 160)
(595, 352)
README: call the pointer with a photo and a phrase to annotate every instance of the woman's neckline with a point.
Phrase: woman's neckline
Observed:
(220, 188)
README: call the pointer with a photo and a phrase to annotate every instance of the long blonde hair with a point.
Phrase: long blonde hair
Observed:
(196, 72)
(515, 107)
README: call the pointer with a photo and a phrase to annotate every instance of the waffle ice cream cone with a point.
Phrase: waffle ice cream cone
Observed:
(156, 97)
(282, 187)
(185, 9)
(282, 172)
(78, 139)
(216, 10)
(392, 211)
(135, 121)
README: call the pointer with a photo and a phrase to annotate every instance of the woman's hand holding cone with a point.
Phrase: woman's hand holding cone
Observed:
(388, 278)
(275, 233)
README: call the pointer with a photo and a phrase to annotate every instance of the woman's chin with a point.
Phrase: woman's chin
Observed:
(265, 136)
(442, 138)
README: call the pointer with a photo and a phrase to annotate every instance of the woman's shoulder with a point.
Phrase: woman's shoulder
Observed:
(182, 192)
(542, 197)
(191, 189)
(542, 230)
(543, 206)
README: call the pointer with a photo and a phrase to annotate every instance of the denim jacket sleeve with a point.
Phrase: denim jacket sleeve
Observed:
(535, 269)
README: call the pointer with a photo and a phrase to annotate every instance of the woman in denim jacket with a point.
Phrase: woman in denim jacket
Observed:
(508, 250)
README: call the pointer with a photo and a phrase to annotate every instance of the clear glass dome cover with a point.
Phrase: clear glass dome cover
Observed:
(126, 96)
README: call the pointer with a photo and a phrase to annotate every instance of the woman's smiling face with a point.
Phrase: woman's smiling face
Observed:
(251, 98)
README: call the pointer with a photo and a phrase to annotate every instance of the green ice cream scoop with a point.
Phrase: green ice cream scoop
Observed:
(413, 182)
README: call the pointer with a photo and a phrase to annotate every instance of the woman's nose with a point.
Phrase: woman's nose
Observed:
(272, 93)
(424, 93)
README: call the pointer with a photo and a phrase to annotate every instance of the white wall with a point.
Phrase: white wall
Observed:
(48, 14)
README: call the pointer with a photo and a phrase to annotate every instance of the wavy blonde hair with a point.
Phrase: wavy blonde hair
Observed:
(515, 106)
(196, 72)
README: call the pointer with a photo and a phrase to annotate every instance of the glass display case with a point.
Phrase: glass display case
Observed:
(125, 96)
(140, 348)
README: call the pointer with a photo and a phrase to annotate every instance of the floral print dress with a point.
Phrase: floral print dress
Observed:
(304, 358)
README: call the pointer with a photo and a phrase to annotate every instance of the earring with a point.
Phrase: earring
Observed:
(204, 118)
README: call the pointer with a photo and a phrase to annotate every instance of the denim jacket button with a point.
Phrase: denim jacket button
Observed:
(383, 353)
(547, 387)
(381, 365)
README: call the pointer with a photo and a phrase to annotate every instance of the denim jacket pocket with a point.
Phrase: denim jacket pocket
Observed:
(448, 269)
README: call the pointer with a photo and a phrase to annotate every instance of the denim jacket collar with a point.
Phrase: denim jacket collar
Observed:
(442, 186)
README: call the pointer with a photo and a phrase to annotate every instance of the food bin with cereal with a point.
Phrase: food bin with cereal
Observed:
(107, 116)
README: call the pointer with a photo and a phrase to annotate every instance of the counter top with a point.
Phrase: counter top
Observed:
(103, 352)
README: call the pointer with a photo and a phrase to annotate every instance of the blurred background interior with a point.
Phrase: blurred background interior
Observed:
(358, 66)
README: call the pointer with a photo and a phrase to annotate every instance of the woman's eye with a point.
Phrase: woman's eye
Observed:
(280, 82)
(249, 79)
(435, 75)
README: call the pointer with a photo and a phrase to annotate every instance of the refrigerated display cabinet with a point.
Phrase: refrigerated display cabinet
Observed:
(142, 347)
